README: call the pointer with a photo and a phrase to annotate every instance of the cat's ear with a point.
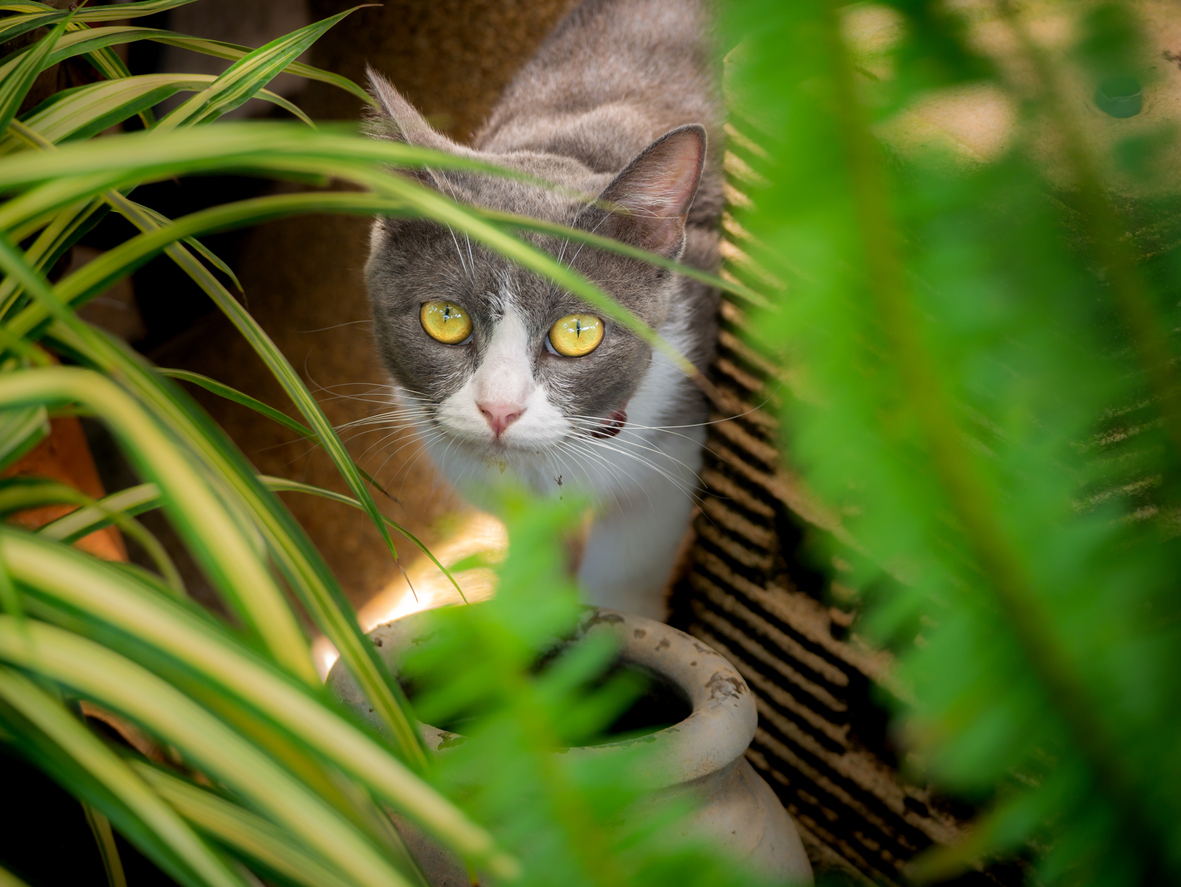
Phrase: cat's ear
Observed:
(398, 120)
(652, 196)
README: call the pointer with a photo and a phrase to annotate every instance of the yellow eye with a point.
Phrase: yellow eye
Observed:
(576, 335)
(446, 322)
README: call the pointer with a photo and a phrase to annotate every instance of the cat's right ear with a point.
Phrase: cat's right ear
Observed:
(397, 120)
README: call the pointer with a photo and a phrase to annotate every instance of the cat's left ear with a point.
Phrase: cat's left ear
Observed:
(653, 194)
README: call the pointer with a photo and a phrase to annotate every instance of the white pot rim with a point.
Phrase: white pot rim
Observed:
(712, 737)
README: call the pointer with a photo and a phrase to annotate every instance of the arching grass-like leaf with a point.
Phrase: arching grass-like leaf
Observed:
(85, 111)
(99, 40)
(130, 606)
(248, 75)
(116, 683)
(232, 826)
(215, 536)
(15, 83)
(140, 813)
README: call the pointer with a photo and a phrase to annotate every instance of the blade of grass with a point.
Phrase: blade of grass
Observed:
(227, 556)
(147, 820)
(8, 879)
(282, 485)
(238, 83)
(20, 431)
(117, 12)
(275, 361)
(83, 521)
(91, 40)
(85, 111)
(298, 560)
(447, 211)
(195, 245)
(146, 497)
(100, 827)
(114, 682)
(119, 201)
(49, 246)
(18, 494)
(234, 827)
(197, 512)
(233, 394)
(15, 84)
(178, 634)
(13, 26)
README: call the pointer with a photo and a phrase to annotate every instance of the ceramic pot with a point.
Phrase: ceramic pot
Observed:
(700, 759)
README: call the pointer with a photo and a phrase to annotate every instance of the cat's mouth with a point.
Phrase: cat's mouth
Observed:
(610, 426)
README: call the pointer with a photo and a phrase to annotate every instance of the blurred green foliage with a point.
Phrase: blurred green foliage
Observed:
(984, 387)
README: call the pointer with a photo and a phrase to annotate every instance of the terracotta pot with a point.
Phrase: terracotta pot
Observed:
(700, 759)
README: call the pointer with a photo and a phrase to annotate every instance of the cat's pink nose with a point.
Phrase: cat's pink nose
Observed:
(500, 416)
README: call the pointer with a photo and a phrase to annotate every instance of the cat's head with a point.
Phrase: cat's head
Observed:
(501, 361)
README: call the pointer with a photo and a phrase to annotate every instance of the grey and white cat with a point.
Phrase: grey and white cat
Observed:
(500, 369)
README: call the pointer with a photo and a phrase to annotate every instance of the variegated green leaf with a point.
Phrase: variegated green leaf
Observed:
(132, 607)
(113, 12)
(92, 40)
(85, 111)
(216, 538)
(21, 429)
(248, 75)
(302, 566)
(15, 83)
(100, 827)
(115, 682)
(232, 826)
(142, 814)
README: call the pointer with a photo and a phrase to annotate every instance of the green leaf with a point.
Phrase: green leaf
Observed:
(8, 879)
(142, 816)
(282, 485)
(249, 74)
(233, 394)
(276, 362)
(85, 111)
(15, 83)
(421, 200)
(234, 827)
(117, 683)
(21, 430)
(97, 593)
(21, 493)
(100, 827)
(192, 243)
(214, 536)
(85, 520)
(302, 566)
(95, 40)
(113, 12)
(14, 26)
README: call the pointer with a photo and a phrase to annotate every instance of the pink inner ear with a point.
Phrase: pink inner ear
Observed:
(658, 187)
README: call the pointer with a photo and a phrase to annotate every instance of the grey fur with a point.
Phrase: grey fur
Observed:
(619, 101)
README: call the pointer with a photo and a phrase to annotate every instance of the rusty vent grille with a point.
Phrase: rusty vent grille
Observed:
(822, 743)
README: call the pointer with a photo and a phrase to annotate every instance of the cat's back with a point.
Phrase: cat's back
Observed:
(612, 77)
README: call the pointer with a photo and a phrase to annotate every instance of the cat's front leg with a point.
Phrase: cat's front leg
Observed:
(633, 544)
